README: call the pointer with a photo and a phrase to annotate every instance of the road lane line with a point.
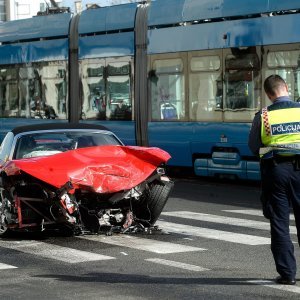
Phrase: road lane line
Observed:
(223, 220)
(251, 212)
(5, 267)
(177, 264)
(55, 252)
(238, 238)
(274, 285)
(150, 245)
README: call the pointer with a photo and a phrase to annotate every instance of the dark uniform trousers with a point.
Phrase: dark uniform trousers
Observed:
(280, 192)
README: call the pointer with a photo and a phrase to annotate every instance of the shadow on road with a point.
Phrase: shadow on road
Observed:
(144, 279)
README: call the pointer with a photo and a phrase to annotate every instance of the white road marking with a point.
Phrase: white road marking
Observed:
(55, 252)
(251, 212)
(177, 264)
(213, 234)
(273, 285)
(142, 244)
(223, 220)
(5, 267)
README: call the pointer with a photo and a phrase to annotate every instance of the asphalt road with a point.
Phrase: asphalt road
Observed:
(212, 243)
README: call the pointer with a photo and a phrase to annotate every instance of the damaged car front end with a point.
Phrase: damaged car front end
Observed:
(102, 186)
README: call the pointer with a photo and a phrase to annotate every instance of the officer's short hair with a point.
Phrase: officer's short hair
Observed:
(273, 83)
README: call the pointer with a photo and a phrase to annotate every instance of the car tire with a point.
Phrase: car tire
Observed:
(4, 231)
(149, 211)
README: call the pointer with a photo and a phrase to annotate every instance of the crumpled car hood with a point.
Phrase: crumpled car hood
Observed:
(103, 169)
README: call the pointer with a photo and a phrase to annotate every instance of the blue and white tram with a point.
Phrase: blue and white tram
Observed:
(183, 75)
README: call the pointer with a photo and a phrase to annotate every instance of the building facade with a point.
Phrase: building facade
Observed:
(2, 10)
(22, 9)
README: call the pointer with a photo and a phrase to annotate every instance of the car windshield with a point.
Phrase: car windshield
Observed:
(49, 143)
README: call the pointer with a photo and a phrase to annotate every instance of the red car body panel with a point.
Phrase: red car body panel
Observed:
(102, 169)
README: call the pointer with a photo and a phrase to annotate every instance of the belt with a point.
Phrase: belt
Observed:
(282, 159)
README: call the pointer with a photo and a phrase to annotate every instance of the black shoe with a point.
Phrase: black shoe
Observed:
(287, 281)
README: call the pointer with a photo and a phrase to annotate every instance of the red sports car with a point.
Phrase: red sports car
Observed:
(79, 178)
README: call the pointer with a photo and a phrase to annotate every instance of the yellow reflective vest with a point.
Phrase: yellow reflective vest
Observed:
(280, 131)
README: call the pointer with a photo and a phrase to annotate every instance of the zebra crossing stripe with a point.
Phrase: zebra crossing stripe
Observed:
(273, 285)
(238, 238)
(177, 264)
(55, 252)
(5, 267)
(251, 212)
(141, 243)
(223, 220)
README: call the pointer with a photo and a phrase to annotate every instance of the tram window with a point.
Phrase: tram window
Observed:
(242, 85)
(287, 59)
(205, 88)
(167, 90)
(119, 91)
(30, 92)
(106, 89)
(36, 91)
(206, 63)
(50, 89)
(287, 65)
(93, 89)
(9, 95)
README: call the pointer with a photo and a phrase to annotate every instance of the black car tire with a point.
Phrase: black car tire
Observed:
(4, 231)
(150, 209)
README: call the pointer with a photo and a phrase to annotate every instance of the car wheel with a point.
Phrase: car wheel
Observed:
(149, 211)
(4, 231)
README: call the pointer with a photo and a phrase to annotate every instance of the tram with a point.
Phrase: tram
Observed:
(182, 75)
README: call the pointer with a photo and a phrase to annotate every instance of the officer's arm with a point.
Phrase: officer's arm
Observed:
(254, 141)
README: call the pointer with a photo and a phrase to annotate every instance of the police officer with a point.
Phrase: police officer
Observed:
(275, 138)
